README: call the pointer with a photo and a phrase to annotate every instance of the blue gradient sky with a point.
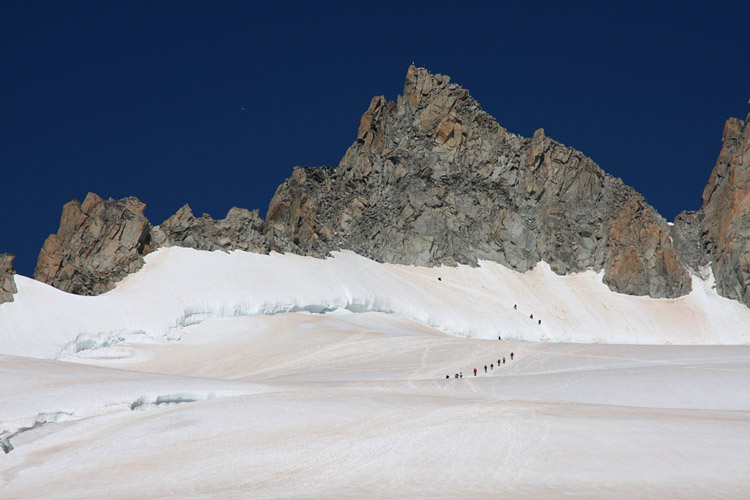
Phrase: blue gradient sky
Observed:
(213, 103)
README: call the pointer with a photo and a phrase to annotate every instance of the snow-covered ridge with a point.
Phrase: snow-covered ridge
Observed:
(180, 287)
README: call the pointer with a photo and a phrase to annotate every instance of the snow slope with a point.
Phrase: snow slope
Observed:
(350, 405)
(179, 287)
(213, 375)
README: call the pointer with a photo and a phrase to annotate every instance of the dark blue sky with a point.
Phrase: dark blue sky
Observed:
(213, 103)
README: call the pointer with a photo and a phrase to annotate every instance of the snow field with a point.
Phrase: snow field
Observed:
(351, 405)
(213, 375)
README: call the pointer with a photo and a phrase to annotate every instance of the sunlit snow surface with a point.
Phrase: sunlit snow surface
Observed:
(182, 382)
(180, 287)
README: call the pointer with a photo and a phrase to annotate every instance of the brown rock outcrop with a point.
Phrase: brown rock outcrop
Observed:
(725, 214)
(7, 280)
(98, 243)
(640, 252)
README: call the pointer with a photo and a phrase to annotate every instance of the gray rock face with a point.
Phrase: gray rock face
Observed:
(7, 281)
(725, 213)
(98, 243)
(432, 179)
(240, 230)
(686, 235)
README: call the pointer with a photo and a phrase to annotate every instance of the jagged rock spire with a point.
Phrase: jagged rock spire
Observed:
(433, 179)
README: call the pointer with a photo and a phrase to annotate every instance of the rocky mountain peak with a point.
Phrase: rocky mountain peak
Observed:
(433, 179)
(422, 88)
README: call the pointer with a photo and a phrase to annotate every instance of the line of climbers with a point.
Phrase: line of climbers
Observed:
(531, 316)
(515, 307)
(492, 367)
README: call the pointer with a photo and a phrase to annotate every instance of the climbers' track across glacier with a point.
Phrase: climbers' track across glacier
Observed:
(347, 405)
(210, 375)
